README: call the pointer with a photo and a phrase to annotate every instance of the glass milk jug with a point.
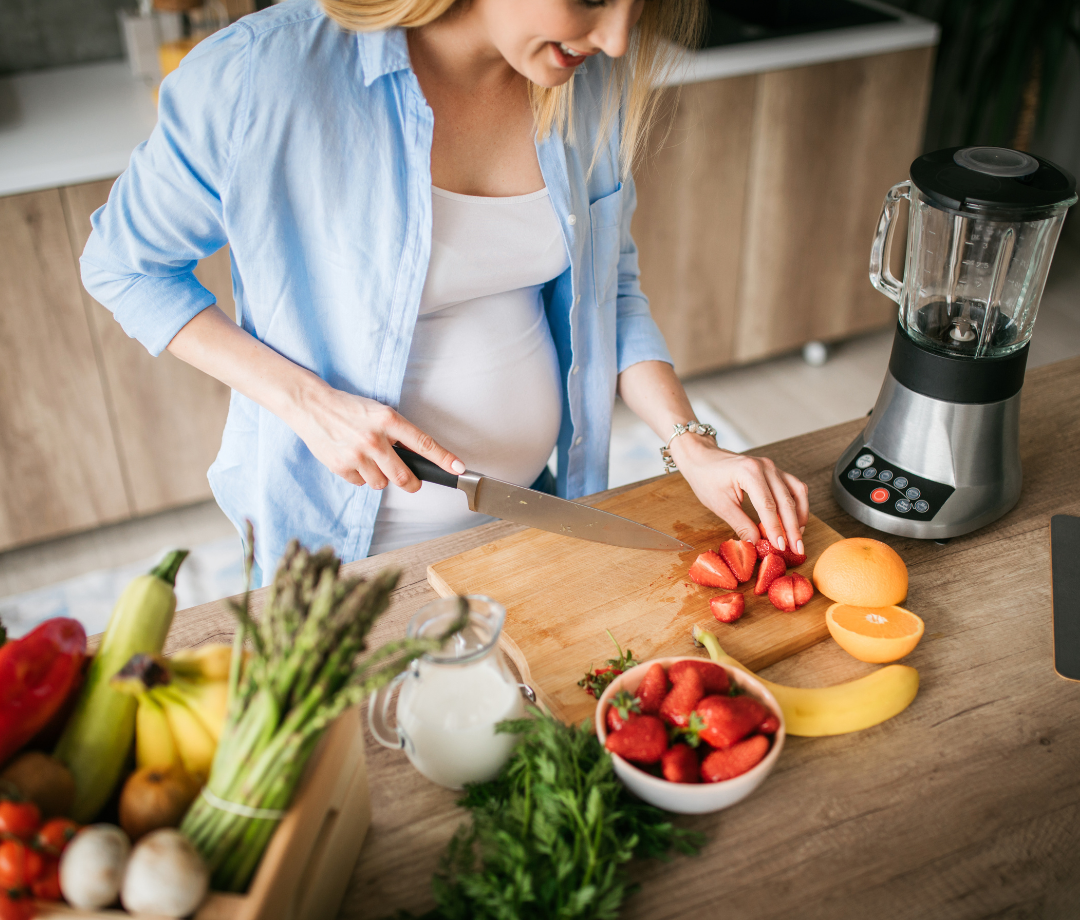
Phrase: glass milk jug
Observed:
(451, 700)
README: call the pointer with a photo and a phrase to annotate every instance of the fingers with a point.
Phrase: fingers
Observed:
(425, 445)
(786, 506)
(739, 521)
(801, 493)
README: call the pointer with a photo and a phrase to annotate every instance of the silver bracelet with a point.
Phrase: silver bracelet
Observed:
(694, 427)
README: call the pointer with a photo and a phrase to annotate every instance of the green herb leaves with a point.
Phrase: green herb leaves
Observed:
(551, 835)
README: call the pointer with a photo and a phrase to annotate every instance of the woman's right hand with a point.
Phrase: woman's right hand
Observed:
(354, 437)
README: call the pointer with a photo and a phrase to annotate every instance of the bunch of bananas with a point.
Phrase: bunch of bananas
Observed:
(182, 704)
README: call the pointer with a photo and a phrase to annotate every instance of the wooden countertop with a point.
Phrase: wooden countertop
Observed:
(966, 805)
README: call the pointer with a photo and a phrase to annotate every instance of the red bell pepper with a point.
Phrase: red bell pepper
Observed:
(36, 674)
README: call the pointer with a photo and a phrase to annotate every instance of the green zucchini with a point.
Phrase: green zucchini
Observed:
(98, 736)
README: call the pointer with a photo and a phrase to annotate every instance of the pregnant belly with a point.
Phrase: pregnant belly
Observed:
(483, 380)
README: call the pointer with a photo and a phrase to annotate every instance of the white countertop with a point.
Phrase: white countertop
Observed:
(78, 124)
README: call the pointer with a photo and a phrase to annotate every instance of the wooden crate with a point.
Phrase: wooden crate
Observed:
(306, 867)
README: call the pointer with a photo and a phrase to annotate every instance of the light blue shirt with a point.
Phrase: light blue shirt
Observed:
(308, 148)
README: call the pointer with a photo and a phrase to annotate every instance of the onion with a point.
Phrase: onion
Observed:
(92, 866)
(165, 876)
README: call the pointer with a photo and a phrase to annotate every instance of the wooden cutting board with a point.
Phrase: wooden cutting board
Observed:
(561, 594)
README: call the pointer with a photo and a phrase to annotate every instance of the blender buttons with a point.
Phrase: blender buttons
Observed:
(876, 482)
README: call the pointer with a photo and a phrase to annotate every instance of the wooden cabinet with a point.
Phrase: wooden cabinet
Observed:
(92, 429)
(58, 460)
(755, 219)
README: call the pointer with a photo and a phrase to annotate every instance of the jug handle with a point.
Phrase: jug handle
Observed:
(881, 275)
(379, 715)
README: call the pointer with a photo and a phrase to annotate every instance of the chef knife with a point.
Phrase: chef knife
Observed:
(540, 510)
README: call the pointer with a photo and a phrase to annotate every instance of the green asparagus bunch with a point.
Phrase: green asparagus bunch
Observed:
(303, 673)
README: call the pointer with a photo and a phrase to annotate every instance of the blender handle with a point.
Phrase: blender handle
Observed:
(881, 275)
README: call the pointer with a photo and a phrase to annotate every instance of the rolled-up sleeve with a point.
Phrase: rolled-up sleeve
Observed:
(637, 336)
(165, 212)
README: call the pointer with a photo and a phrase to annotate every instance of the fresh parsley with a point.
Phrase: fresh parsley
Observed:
(551, 835)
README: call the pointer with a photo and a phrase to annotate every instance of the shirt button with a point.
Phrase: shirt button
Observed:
(571, 219)
(575, 369)
(577, 441)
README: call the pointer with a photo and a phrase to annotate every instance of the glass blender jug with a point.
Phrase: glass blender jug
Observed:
(940, 455)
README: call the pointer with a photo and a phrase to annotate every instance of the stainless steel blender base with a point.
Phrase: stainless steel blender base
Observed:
(963, 460)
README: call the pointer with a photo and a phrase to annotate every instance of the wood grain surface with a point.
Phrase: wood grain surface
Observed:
(58, 462)
(965, 806)
(555, 626)
(167, 416)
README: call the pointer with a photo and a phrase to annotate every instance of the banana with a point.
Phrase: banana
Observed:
(154, 744)
(208, 699)
(208, 662)
(194, 743)
(837, 710)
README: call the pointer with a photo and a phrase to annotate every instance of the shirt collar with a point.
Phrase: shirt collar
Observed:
(382, 53)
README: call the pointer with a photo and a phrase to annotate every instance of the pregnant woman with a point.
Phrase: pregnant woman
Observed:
(428, 205)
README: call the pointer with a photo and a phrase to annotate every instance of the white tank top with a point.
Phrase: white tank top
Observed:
(483, 376)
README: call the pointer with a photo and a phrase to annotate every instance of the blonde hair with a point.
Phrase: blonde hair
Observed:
(655, 42)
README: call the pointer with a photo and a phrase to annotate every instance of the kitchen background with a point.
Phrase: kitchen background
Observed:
(755, 219)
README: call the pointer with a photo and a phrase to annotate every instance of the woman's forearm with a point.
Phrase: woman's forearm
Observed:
(217, 346)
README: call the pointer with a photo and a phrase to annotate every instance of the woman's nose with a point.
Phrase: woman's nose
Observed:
(612, 33)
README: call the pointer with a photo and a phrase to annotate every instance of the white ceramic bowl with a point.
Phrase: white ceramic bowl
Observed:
(689, 798)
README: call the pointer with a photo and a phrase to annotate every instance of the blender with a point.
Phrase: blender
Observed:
(940, 455)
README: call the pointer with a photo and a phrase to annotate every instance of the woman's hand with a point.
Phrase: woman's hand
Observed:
(354, 437)
(720, 479)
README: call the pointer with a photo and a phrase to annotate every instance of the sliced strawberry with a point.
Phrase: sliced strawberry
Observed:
(643, 740)
(735, 761)
(741, 557)
(791, 557)
(710, 570)
(772, 567)
(727, 608)
(713, 677)
(726, 720)
(680, 764)
(684, 696)
(770, 726)
(802, 589)
(624, 708)
(652, 690)
(782, 594)
(763, 548)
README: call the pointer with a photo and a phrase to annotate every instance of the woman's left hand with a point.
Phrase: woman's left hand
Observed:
(720, 479)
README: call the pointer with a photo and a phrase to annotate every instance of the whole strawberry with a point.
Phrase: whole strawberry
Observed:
(713, 677)
(735, 761)
(595, 682)
(642, 740)
(726, 720)
(623, 708)
(683, 697)
(652, 689)
(680, 764)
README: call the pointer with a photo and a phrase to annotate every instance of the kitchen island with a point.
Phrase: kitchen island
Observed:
(965, 805)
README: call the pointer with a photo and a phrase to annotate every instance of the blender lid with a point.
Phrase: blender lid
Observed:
(994, 182)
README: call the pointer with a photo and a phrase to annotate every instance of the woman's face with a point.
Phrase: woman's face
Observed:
(546, 40)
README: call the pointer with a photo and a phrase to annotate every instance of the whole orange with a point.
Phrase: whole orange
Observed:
(861, 572)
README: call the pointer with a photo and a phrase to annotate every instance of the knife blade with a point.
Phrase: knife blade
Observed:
(538, 509)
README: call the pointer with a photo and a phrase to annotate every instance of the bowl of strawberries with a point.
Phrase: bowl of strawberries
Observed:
(689, 735)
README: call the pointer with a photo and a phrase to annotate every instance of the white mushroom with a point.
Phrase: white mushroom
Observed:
(92, 866)
(165, 875)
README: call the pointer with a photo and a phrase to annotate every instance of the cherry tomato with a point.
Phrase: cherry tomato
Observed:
(15, 908)
(47, 887)
(20, 866)
(54, 835)
(20, 819)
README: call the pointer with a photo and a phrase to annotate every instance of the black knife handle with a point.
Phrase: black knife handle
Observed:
(424, 470)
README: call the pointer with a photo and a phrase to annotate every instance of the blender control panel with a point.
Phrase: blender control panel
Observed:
(884, 486)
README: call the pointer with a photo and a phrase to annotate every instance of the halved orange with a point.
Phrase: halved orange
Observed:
(861, 571)
(876, 634)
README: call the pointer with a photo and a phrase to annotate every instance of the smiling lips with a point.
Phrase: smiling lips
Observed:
(566, 56)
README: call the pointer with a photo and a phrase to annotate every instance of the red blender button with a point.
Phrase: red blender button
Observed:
(879, 495)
